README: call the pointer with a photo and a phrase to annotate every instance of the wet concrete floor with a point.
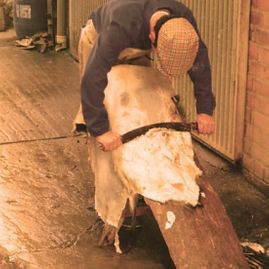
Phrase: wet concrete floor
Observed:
(47, 219)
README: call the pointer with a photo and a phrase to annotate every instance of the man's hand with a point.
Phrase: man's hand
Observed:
(109, 141)
(206, 124)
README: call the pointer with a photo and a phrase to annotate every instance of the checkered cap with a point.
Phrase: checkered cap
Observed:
(177, 47)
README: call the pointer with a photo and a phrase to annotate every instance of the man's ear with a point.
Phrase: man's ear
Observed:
(152, 36)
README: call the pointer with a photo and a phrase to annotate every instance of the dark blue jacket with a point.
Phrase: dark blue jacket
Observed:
(125, 24)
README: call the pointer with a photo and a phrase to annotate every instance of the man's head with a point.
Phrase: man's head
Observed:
(175, 44)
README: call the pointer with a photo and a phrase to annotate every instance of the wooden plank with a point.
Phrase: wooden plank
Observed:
(201, 237)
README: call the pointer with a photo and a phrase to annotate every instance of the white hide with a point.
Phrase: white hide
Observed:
(158, 165)
(110, 193)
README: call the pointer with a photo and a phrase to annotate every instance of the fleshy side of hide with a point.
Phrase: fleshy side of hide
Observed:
(158, 165)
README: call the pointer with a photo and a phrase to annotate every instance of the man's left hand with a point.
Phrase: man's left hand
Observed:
(109, 141)
(206, 124)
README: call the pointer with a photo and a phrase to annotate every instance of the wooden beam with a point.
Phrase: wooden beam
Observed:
(201, 237)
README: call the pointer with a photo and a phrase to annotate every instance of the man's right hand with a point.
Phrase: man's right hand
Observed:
(109, 141)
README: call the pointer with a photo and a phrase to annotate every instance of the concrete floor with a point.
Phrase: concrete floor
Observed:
(47, 219)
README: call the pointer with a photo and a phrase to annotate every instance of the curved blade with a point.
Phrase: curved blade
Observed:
(178, 126)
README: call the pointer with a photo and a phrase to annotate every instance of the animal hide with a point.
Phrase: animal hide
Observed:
(158, 165)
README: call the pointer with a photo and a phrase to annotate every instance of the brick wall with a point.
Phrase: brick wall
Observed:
(256, 142)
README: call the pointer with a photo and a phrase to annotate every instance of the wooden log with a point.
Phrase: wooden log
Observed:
(201, 237)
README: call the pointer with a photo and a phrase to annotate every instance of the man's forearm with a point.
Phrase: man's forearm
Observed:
(92, 98)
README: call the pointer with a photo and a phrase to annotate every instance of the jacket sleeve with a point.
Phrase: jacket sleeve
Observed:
(104, 54)
(200, 74)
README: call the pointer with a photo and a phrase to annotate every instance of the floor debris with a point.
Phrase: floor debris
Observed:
(256, 255)
(40, 41)
(170, 220)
